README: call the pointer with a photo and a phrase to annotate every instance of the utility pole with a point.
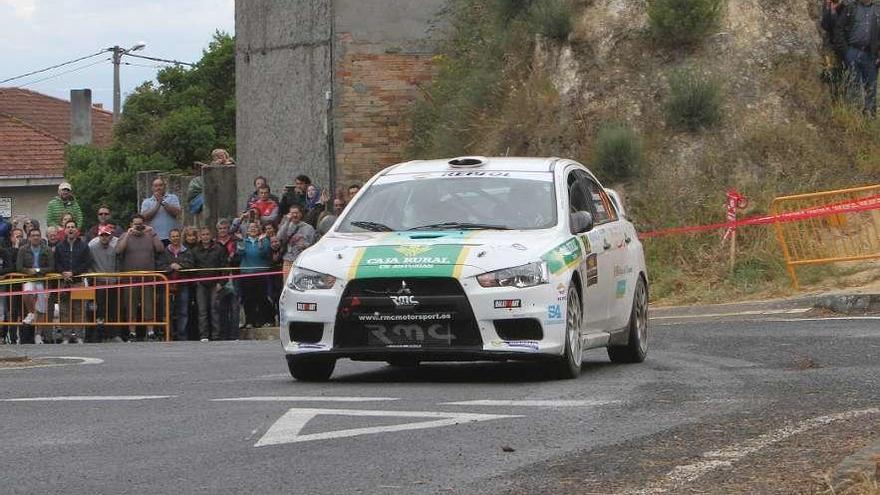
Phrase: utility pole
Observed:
(117, 60)
(117, 96)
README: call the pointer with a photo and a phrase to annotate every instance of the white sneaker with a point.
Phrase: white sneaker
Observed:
(29, 319)
(79, 340)
(65, 340)
(204, 340)
(38, 339)
(151, 335)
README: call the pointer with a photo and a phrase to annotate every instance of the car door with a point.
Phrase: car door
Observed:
(616, 270)
(595, 300)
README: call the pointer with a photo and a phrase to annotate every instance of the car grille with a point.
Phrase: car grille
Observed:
(405, 312)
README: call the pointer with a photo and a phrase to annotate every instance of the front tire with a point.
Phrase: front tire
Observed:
(311, 370)
(569, 366)
(636, 347)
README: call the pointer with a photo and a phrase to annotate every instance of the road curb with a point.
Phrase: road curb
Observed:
(264, 333)
(849, 304)
(9, 356)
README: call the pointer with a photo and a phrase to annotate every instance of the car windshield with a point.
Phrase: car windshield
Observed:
(521, 201)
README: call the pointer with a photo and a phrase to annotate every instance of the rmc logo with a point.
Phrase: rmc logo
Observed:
(404, 300)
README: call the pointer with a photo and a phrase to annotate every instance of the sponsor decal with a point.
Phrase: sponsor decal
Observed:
(302, 345)
(620, 271)
(564, 256)
(441, 260)
(404, 301)
(476, 174)
(554, 313)
(508, 303)
(592, 270)
(621, 288)
(531, 345)
(561, 292)
(409, 334)
(304, 306)
(406, 317)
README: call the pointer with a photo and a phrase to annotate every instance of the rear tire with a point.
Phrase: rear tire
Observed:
(569, 366)
(311, 370)
(637, 346)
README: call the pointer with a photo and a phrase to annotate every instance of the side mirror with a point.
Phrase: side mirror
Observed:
(581, 221)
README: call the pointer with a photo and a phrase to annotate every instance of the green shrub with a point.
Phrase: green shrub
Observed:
(508, 10)
(683, 22)
(552, 19)
(694, 100)
(618, 152)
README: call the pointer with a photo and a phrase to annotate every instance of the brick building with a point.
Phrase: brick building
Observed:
(34, 131)
(323, 87)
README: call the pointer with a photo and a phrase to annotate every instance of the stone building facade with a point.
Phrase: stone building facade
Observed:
(324, 87)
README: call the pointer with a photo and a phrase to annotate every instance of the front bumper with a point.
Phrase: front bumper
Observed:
(541, 307)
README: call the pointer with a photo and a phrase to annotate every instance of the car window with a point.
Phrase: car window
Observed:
(603, 209)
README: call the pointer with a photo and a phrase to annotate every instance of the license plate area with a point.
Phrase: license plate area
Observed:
(415, 330)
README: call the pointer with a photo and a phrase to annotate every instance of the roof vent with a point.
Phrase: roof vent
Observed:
(468, 161)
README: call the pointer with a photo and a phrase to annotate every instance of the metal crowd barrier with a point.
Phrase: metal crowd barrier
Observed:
(129, 299)
(849, 236)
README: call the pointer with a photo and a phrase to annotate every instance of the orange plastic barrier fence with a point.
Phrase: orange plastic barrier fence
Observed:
(83, 303)
(851, 236)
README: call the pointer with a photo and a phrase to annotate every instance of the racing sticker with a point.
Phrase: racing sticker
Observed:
(592, 270)
(419, 260)
(564, 256)
(554, 313)
(621, 288)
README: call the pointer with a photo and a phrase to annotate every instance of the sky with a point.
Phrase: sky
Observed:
(35, 34)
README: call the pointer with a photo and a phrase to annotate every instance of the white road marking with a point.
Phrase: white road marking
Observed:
(287, 428)
(757, 312)
(829, 318)
(82, 360)
(725, 457)
(81, 398)
(533, 403)
(305, 399)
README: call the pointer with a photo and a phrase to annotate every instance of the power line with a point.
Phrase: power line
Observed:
(53, 76)
(176, 62)
(157, 66)
(53, 67)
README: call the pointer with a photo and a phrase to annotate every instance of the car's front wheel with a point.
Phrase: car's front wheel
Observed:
(569, 366)
(636, 348)
(311, 370)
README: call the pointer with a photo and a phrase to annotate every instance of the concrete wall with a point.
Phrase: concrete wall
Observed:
(282, 70)
(30, 201)
(381, 57)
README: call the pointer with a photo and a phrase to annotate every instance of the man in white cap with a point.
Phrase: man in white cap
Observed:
(61, 204)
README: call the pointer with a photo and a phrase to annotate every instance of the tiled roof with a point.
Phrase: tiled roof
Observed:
(52, 115)
(26, 151)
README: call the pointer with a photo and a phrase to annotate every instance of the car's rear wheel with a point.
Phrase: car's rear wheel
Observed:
(637, 347)
(569, 366)
(311, 370)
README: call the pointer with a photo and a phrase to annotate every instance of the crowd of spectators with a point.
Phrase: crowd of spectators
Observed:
(266, 237)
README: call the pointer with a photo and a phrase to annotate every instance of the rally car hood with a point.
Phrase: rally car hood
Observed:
(430, 254)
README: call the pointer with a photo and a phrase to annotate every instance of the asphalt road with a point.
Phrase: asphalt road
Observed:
(715, 403)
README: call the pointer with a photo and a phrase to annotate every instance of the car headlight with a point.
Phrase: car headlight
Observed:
(303, 280)
(520, 277)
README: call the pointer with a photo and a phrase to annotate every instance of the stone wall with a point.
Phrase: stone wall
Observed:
(286, 66)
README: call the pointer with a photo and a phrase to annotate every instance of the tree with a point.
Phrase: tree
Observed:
(164, 126)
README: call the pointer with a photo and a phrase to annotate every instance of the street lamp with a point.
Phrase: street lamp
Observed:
(117, 59)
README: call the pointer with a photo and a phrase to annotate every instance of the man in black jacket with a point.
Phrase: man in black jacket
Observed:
(72, 258)
(857, 41)
(208, 254)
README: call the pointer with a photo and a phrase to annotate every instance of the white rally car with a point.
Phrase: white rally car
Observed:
(470, 259)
